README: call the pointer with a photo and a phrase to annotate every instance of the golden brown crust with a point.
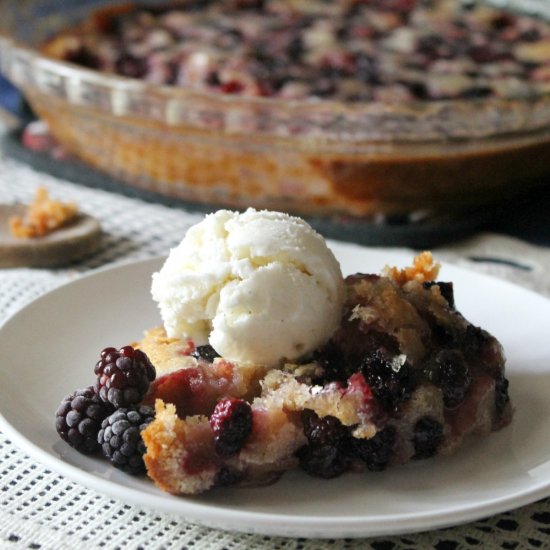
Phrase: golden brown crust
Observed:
(181, 456)
(167, 354)
(423, 270)
(43, 216)
(168, 439)
(282, 390)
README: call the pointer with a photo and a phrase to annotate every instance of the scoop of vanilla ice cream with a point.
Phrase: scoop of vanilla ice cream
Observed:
(259, 286)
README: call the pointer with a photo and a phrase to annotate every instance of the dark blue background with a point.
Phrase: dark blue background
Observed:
(9, 97)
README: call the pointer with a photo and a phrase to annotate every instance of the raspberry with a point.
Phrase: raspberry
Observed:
(231, 423)
(123, 376)
(78, 419)
(120, 438)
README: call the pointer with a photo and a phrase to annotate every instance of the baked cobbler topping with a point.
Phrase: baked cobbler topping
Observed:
(423, 270)
(351, 50)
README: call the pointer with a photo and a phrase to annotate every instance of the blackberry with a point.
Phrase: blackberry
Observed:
(449, 372)
(444, 334)
(129, 65)
(389, 385)
(473, 340)
(227, 476)
(78, 419)
(476, 92)
(332, 360)
(367, 70)
(427, 436)
(325, 455)
(323, 431)
(342, 356)
(295, 49)
(123, 376)
(377, 451)
(326, 461)
(206, 353)
(120, 438)
(501, 394)
(83, 56)
(231, 423)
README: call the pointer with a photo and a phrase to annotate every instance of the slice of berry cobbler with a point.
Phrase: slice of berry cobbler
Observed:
(404, 377)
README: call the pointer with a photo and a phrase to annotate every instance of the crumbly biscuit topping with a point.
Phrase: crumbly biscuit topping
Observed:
(44, 215)
(423, 270)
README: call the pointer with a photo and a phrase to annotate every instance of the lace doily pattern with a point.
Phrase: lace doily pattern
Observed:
(43, 510)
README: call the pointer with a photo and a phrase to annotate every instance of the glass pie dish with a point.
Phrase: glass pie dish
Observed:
(315, 158)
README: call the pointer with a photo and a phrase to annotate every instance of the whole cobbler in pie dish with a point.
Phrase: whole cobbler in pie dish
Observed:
(364, 50)
(391, 112)
(401, 375)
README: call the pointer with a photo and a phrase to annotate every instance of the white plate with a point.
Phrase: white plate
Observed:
(50, 347)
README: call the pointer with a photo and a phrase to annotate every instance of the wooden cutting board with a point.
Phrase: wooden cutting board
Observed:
(59, 248)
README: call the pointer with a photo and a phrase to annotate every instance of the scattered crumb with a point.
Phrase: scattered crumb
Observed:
(423, 270)
(43, 216)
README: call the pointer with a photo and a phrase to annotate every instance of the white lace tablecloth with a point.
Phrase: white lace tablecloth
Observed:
(41, 509)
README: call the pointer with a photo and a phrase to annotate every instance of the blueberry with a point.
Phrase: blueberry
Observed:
(206, 353)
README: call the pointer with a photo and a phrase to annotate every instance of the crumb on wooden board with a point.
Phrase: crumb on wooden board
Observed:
(44, 215)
